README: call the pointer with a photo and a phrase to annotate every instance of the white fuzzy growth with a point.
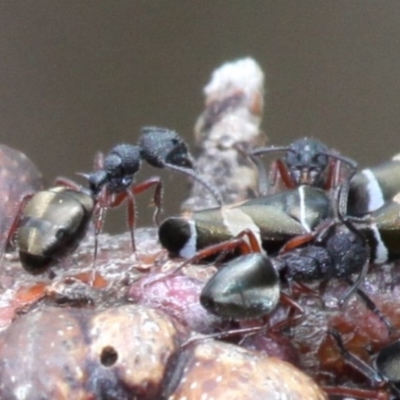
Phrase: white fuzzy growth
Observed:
(382, 254)
(190, 247)
(374, 191)
(244, 73)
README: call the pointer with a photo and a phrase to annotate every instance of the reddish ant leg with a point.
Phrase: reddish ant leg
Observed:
(157, 197)
(68, 183)
(107, 200)
(333, 174)
(239, 242)
(291, 320)
(299, 288)
(301, 240)
(273, 331)
(279, 172)
(362, 394)
(9, 238)
(296, 242)
(246, 242)
(16, 220)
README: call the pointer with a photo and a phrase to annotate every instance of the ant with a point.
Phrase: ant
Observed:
(310, 162)
(330, 246)
(51, 223)
(113, 181)
(307, 161)
(250, 284)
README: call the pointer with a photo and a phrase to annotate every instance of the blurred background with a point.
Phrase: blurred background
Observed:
(79, 77)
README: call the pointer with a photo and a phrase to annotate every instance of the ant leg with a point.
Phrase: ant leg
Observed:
(364, 270)
(339, 191)
(372, 306)
(356, 284)
(132, 218)
(239, 242)
(11, 227)
(279, 173)
(278, 168)
(333, 177)
(306, 238)
(273, 177)
(248, 246)
(335, 168)
(296, 242)
(99, 215)
(318, 235)
(220, 335)
(157, 197)
(68, 183)
(262, 173)
(354, 361)
(362, 394)
(263, 184)
(299, 288)
(291, 320)
(343, 188)
(105, 200)
(248, 331)
(9, 239)
(284, 174)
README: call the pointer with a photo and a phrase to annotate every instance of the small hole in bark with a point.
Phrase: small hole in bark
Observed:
(108, 356)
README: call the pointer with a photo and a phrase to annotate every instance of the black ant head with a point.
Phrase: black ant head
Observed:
(307, 160)
(161, 146)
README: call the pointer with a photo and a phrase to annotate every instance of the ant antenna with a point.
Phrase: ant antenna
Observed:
(350, 226)
(192, 174)
(262, 173)
(354, 361)
(270, 149)
(345, 186)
